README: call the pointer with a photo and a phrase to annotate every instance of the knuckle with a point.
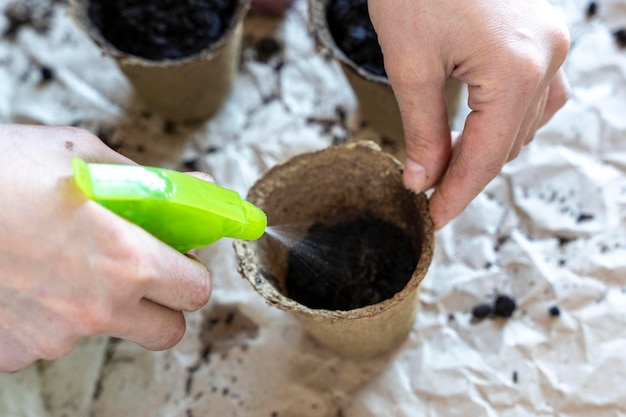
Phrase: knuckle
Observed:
(532, 73)
(488, 167)
(78, 133)
(97, 318)
(404, 74)
(559, 96)
(201, 296)
(561, 44)
(170, 338)
(55, 349)
(125, 261)
(415, 140)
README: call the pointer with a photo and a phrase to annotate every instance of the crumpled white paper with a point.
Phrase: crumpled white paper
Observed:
(550, 231)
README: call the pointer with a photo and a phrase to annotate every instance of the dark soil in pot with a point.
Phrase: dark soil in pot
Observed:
(161, 29)
(351, 28)
(350, 265)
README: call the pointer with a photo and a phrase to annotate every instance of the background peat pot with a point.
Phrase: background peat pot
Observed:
(343, 31)
(332, 187)
(183, 76)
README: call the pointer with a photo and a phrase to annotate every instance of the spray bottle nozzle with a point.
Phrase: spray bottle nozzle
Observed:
(182, 211)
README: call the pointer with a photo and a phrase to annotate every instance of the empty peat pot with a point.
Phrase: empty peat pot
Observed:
(343, 30)
(375, 243)
(180, 57)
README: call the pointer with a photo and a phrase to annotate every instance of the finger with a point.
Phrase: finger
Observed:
(150, 325)
(15, 356)
(552, 99)
(534, 121)
(529, 125)
(482, 150)
(417, 76)
(559, 91)
(174, 280)
(205, 176)
(426, 132)
(144, 266)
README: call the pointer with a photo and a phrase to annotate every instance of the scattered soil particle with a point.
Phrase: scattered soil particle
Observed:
(47, 74)
(554, 311)
(584, 217)
(501, 241)
(229, 318)
(191, 164)
(482, 311)
(350, 265)
(161, 29)
(620, 37)
(564, 240)
(351, 28)
(169, 127)
(504, 306)
(266, 48)
(592, 9)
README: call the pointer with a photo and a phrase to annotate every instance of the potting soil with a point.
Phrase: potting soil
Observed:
(161, 29)
(351, 28)
(350, 265)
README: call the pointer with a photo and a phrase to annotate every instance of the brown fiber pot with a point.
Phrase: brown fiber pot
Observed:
(186, 89)
(337, 183)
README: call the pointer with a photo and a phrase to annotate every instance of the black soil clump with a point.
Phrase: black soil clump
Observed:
(592, 9)
(161, 29)
(503, 306)
(620, 37)
(350, 265)
(554, 311)
(482, 311)
(351, 28)
(266, 48)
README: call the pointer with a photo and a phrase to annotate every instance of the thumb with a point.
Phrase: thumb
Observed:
(426, 132)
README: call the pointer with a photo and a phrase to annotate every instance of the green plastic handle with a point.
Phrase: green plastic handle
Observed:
(183, 211)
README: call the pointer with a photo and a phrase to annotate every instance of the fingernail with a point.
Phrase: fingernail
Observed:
(414, 176)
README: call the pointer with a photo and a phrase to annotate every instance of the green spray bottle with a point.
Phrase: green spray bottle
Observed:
(183, 211)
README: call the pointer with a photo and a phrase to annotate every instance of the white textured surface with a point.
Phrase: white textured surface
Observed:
(551, 230)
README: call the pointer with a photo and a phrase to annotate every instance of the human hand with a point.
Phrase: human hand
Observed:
(70, 268)
(508, 53)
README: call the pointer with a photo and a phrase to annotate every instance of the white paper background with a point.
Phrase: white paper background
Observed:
(524, 235)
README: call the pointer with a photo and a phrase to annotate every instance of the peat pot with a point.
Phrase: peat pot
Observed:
(179, 72)
(346, 249)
